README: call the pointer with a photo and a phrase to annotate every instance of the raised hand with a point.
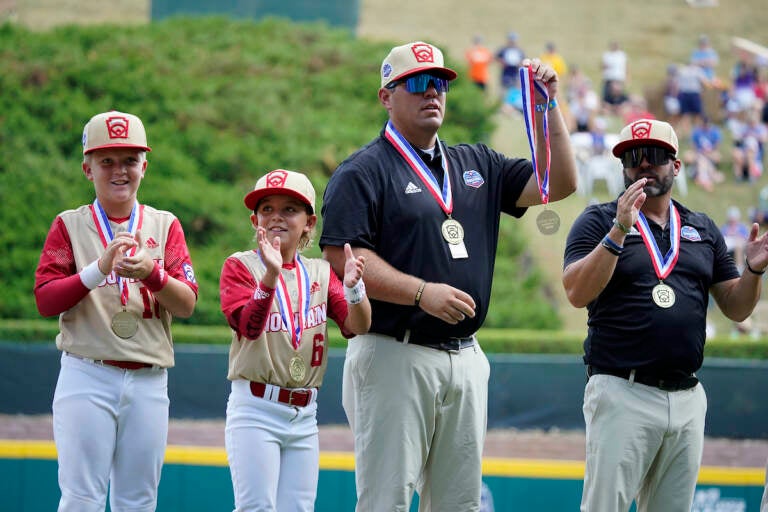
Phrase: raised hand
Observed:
(270, 251)
(353, 267)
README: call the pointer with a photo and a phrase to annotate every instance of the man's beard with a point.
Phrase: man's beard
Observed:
(659, 187)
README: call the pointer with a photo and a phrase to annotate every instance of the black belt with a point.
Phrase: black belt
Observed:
(665, 383)
(448, 344)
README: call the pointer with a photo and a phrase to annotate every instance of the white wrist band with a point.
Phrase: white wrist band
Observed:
(356, 294)
(91, 276)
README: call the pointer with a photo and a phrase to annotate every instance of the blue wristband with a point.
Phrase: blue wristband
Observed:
(543, 107)
(612, 246)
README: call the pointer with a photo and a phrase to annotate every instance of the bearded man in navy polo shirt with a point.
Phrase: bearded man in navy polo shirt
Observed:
(644, 266)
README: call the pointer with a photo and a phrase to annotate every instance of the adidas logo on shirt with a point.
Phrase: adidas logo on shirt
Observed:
(411, 188)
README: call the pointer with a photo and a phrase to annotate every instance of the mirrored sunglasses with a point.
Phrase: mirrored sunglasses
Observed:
(420, 83)
(654, 154)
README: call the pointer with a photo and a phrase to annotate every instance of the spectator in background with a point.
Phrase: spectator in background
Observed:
(554, 59)
(583, 107)
(510, 56)
(705, 57)
(736, 234)
(614, 66)
(478, 58)
(671, 95)
(704, 156)
(745, 78)
(749, 138)
(691, 81)
(636, 108)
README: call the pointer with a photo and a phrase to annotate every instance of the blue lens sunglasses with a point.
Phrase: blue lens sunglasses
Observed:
(418, 84)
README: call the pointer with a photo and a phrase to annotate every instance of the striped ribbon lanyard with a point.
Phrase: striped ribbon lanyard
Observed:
(529, 86)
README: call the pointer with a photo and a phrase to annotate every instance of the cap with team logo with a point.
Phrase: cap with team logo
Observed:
(114, 130)
(646, 132)
(413, 58)
(282, 182)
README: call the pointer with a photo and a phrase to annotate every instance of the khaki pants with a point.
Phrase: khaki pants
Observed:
(418, 416)
(642, 443)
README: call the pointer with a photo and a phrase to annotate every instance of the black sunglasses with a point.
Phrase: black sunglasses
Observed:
(654, 154)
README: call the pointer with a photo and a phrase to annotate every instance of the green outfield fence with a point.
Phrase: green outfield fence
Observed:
(341, 13)
(196, 479)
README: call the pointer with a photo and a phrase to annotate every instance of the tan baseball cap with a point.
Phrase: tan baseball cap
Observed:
(646, 132)
(413, 58)
(282, 182)
(114, 129)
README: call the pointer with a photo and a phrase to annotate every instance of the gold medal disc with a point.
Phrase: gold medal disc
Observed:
(663, 295)
(548, 222)
(452, 231)
(125, 324)
(298, 369)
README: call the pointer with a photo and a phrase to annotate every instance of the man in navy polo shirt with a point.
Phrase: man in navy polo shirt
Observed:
(426, 218)
(644, 266)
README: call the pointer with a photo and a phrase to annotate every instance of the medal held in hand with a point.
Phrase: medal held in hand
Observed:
(125, 324)
(663, 295)
(548, 222)
(298, 369)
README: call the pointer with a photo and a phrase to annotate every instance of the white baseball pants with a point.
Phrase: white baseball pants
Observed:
(273, 451)
(111, 428)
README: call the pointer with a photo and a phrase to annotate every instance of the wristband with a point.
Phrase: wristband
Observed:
(156, 280)
(91, 276)
(356, 294)
(417, 299)
(611, 246)
(543, 107)
(624, 229)
(756, 272)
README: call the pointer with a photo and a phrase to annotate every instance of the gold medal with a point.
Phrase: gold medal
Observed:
(663, 295)
(298, 369)
(548, 222)
(452, 231)
(125, 324)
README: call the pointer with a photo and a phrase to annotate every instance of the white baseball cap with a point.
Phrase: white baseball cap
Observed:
(413, 58)
(646, 132)
(282, 182)
(114, 129)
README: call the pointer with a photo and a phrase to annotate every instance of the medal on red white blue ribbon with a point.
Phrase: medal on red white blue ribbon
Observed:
(662, 294)
(293, 322)
(451, 229)
(547, 221)
(124, 323)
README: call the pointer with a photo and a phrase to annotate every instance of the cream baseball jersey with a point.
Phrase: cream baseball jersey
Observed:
(279, 356)
(86, 328)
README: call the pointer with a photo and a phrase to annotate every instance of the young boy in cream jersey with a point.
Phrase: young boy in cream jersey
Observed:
(115, 272)
(277, 304)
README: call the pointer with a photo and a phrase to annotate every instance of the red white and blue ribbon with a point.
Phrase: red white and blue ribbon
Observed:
(444, 196)
(293, 322)
(663, 265)
(135, 222)
(529, 86)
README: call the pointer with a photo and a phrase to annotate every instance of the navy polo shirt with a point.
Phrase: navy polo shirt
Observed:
(626, 328)
(376, 201)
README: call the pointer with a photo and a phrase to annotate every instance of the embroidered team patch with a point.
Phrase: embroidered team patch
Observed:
(690, 233)
(473, 179)
(189, 272)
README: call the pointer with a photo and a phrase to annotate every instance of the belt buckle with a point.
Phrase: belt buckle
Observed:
(291, 393)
